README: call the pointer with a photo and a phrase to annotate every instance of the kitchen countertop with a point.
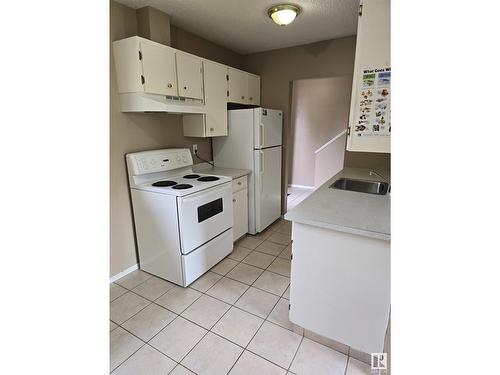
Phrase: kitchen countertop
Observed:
(362, 214)
(230, 172)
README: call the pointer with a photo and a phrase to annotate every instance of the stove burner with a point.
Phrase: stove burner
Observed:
(182, 186)
(192, 176)
(165, 183)
(208, 178)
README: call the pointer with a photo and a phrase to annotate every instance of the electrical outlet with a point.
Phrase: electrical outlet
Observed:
(195, 148)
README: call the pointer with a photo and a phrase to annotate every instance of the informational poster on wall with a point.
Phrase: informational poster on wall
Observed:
(373, 117)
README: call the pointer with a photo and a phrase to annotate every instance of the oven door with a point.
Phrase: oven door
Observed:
(204, 215)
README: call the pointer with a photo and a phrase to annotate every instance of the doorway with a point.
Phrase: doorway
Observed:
(319, 118)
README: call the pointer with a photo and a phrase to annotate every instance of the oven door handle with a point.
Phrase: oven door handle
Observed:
(215, 189)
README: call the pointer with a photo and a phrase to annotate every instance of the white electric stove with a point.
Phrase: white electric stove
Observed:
(183, 220)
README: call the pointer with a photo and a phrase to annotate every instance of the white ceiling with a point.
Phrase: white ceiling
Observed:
(243, 25)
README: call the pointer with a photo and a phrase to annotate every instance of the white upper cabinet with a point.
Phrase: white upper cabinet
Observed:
(243, 87)
(369, 119)
(145, 66)
(153, 77)
(158, 69)
(189, 76)
(237, 86)
(215, 98)
(214, 122)
(253, 89)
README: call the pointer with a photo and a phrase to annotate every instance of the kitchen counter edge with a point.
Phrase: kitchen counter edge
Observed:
(304, 212)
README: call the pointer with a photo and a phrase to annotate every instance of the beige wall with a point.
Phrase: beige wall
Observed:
(130, 132)
(278, 68)
(319, 111)
(329, 161)
(191, 43)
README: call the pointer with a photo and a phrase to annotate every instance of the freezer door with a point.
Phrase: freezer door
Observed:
(267, 187)
(268, 128)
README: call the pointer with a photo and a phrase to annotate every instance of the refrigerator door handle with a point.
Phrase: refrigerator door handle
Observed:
(261, 133)
(261, 168)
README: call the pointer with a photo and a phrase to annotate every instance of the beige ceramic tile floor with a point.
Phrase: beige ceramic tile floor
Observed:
(232, 320)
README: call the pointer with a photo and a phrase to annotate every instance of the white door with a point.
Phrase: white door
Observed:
(189, 76)
(268, 127)
(204, 215)
(237, 86)
(253, 89)
(158, 69)
(267, 187)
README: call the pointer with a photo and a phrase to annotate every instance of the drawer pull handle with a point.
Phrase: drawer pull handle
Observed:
(211, 129)
(239, 183)
(242, 97)
(251, 98)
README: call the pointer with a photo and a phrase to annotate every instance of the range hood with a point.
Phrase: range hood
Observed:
(143, 102)
(154, 25)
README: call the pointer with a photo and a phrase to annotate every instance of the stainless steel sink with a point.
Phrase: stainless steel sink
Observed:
(362, 186)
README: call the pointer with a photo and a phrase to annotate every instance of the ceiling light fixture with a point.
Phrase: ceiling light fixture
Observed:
(283, 14)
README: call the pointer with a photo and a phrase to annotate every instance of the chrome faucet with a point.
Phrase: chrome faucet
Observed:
(376, 174)
(383, 178)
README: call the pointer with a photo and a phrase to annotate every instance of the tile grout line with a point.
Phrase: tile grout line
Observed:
(233, 305)
(147, 342)
(267, 316)
(295, 354)
(126, 359)
(346, 364)
(202, 293)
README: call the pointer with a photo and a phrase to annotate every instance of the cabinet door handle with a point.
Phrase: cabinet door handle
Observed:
(242, 97)
(211, 129)
(169, 85)
(185, 87)
(239, 182)
(234, 200)
(251, 98)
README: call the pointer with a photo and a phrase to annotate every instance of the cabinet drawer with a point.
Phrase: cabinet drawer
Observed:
(239, 184)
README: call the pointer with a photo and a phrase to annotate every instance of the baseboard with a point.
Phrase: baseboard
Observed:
(301, 186)
(123, 273)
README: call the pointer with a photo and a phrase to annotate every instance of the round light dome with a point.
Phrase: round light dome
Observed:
(283, 14)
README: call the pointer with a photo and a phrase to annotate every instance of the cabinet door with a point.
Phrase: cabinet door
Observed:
(214, 77)
(253, 89)
(189, 76)
(240, 213)
(158, 69)
(373, 57)
(237, 86)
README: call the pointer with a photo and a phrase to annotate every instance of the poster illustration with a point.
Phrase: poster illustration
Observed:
(374, 103)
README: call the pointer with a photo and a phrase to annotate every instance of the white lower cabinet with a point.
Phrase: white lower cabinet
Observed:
(340, 286)
(240, 207)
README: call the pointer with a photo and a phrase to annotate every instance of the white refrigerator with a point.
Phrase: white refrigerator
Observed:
(254, 142)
